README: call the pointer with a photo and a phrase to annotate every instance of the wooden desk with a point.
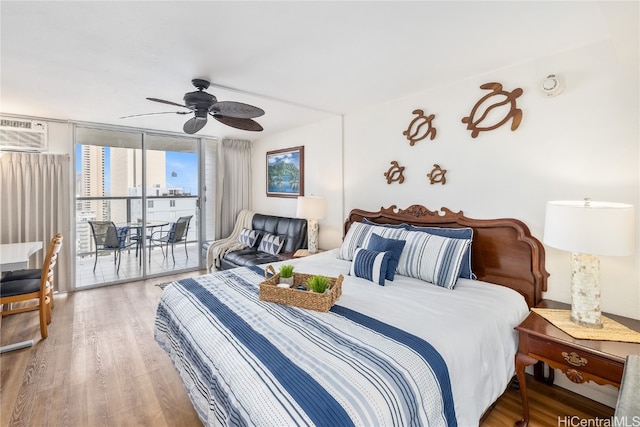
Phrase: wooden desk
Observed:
(15, 256)
(580, 360)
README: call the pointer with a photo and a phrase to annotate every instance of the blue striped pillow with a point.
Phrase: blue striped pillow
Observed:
(454, 233)
(370, 265)
(395, 246)
(358, 237)
(248, 237)
(434, 259)
(271, 244)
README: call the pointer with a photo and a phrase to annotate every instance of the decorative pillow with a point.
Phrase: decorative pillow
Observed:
(370, 265)
(454, 233)
(432, 258)
(381, 244)
(358, 237)
(271, 244)
(248, 237)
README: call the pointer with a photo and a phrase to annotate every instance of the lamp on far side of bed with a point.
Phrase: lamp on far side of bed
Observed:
(588, 229)
(312, 208)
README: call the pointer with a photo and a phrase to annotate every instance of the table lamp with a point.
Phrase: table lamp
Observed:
(588, 229)
(312, 208)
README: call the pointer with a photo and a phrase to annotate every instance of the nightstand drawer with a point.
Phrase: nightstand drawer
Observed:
(576, 362)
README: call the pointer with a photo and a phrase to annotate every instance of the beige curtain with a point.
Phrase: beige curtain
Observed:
(34, 206)
(233, 183)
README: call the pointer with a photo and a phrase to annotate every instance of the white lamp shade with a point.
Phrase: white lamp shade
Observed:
(596, 228)
(311, 207)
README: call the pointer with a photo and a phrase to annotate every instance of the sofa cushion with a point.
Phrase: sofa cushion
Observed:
(247, 257)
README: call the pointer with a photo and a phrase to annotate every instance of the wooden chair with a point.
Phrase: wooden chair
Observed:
(25, 290)
(177, 233)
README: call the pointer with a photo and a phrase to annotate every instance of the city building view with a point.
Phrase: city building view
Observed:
(109, 187)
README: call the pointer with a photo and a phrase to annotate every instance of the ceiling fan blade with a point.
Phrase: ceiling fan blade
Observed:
(152, 114)
(167, 102)
(194, 124)
(236, 109)
(238, 123)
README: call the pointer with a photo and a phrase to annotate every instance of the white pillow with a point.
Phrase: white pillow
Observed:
(434, 259)
(248, 237)
(271, 244)
(358, 237)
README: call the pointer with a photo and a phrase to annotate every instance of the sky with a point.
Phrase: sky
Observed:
(182, 171)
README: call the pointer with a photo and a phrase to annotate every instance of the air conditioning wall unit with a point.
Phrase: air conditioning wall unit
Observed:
(23, 135)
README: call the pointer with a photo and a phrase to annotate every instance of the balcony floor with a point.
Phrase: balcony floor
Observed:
(130, 268)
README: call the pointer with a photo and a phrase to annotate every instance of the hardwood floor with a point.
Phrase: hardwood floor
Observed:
(100, 366)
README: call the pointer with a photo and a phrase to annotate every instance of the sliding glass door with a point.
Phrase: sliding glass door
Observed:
(134, 193)
(172, 214)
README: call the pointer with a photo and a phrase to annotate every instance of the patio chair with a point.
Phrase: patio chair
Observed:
(177, 233)
(40, 289)
(109, 238)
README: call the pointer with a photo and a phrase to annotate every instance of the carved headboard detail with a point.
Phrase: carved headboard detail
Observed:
(503, 250)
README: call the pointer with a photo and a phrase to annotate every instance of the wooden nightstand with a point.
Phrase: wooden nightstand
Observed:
(580, 360)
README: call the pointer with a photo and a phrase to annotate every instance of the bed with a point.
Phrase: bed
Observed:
(406, 353)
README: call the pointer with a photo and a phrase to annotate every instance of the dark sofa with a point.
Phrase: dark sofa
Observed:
(293, 230)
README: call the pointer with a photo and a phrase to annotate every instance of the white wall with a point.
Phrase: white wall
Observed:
(60, 138)
(322, 169)
(583, 143)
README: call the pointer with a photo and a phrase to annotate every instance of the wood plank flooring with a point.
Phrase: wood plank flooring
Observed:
(100, 366)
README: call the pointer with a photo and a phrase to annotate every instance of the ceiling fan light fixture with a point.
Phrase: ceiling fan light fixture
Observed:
(203, 104)
(201, 113)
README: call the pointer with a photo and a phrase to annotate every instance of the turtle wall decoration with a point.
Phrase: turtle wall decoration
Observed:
(437, 175)
(495, 99)
(395, 173)
(420, 127)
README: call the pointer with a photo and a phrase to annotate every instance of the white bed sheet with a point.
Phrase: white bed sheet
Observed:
(471, 326)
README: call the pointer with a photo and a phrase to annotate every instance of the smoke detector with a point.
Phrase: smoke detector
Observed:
(552, 85)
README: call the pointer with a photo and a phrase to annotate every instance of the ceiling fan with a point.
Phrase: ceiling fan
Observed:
(203, 104)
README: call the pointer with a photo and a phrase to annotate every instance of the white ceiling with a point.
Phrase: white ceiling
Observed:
(300, 61)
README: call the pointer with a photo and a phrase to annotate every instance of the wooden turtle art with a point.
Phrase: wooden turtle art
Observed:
(395, 173)
(437, 175)
(486, 104)
(417, 130)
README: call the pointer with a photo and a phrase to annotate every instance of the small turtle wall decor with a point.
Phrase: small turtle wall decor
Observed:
(437, 175)
(395, 173)
(420, 127)
(496, 98)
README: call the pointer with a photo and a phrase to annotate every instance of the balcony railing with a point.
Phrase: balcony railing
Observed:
(129, 209)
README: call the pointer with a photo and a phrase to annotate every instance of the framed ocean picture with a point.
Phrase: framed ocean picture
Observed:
(285, 172)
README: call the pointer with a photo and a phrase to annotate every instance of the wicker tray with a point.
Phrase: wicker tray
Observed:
(269, 291)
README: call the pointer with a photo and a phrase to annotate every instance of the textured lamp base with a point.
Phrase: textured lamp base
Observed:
(312, 235)
(585, 290)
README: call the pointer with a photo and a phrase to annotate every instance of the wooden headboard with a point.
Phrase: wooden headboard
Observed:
(503, 250)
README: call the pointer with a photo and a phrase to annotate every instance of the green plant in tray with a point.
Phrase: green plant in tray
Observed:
(286, 271)
(318, 283)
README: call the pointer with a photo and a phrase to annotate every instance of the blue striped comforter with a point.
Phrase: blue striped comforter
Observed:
(244, 361)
